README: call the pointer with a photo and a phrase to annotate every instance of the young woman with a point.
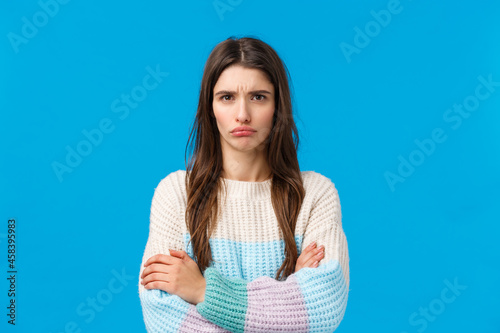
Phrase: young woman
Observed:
(232, 238)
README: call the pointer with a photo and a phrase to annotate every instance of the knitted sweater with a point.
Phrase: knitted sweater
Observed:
(242, 294)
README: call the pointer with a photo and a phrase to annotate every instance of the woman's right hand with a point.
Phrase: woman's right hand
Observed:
(310, 257)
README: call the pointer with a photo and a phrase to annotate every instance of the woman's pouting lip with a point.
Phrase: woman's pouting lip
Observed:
(242, 133)
(242, 128)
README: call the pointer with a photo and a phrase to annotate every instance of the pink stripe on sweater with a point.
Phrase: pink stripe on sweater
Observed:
(269, 314)
(196, 323)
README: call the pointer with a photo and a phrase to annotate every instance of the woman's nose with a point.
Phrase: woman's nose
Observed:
(243, 112)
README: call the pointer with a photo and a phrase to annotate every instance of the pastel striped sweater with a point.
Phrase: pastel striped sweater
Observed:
(242, 294)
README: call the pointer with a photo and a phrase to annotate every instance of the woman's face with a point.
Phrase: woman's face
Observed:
(243, 97)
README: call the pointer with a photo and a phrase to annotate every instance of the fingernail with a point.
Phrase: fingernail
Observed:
(313, 244)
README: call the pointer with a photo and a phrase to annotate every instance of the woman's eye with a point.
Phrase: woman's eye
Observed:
(260, 99)
(224, 97)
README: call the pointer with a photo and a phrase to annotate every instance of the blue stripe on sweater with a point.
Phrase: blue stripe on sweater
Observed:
(246, 260)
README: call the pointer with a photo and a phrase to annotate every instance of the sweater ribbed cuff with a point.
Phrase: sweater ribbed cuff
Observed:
(225, 301)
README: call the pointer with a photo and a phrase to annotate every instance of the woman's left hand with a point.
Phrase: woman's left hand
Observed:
(177, 274)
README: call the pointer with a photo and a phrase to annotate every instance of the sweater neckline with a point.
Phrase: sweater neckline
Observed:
(247, 190)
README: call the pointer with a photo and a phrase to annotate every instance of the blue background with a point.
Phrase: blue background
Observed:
(358, 115)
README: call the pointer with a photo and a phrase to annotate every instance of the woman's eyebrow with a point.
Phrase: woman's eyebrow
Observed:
(229, 92)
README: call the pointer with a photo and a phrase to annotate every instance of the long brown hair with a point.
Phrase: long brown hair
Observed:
(203, 171)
